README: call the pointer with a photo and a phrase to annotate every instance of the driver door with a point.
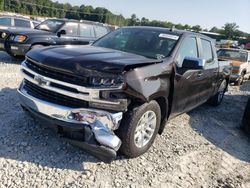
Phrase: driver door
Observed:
(187, 81)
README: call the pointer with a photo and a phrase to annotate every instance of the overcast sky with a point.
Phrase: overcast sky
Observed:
(206, 13)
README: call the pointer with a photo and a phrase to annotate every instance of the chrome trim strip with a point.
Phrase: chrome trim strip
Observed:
(92, 96)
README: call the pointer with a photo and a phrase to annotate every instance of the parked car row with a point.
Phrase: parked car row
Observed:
(119, 92)
(17, 42)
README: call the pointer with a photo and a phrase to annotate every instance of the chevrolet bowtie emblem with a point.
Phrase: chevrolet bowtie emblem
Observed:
(40, 80)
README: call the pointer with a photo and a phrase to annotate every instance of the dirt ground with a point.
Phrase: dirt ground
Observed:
(202, 148)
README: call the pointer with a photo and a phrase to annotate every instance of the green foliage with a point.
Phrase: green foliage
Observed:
(230, 30)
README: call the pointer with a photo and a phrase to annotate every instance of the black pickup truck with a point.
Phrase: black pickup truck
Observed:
(18, 41)
(119, 92)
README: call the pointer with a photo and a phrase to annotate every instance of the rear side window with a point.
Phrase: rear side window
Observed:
(188, 49)
(86, 30)
(207, 50)
(5, 21)
(71, 29)
(21, 23)
(100, 31)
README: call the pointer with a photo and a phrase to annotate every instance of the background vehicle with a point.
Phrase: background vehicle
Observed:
(240, 63)
(119, 92)
(245, 124)
(7, 22)
(17, 42)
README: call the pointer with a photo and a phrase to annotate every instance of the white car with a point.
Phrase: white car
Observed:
(16, 22)
(240, 62)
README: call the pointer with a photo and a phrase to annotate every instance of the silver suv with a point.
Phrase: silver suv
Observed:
(13, 21)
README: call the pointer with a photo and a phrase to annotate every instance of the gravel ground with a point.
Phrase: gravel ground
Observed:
(202, 148)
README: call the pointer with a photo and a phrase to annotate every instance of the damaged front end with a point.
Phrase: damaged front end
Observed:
(56, 102)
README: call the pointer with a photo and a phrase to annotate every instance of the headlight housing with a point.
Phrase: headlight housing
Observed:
(3, 35)
(98, 81)
(20, 38)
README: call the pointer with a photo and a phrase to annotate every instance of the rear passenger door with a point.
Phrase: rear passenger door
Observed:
(87, 33)
(72, 36)
(209, 80)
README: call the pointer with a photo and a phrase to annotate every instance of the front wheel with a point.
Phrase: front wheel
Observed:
(217, 99)
(139, 129)
(240, 80)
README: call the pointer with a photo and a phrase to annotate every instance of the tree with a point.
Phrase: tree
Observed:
(230, 30)
(144, 21)
(133, 20)
(1, 4)
(215, 30)
(197, 28)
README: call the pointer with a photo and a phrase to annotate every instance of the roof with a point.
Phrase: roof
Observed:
(19, 17)
(77, 21)
(168, 30)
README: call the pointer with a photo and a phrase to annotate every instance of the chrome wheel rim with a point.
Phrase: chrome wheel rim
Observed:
(145, 129)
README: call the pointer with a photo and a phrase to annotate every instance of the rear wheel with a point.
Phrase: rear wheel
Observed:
(139, 129)
(218, 97)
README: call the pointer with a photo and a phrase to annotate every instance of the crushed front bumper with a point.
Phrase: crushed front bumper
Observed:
(100, 123)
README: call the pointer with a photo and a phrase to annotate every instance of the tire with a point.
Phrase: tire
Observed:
(217, 99)
(245, 123)
(132, 130)
(240, 80)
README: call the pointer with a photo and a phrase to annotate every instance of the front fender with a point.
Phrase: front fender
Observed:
(42, 40)
(149, 82)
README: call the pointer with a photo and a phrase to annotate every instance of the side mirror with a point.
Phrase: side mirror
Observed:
(193, 63)
(61, 32)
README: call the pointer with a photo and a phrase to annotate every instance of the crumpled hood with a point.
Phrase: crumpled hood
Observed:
(237, 63)
(78, 59)
(233, 62)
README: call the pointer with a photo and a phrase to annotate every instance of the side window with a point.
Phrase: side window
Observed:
(86, 30)
(100, 31)
(71, 29)
(21, 23)
(5, 21)
(207, 50)
(188, 49)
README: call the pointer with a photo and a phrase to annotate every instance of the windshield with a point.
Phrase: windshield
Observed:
(50, 25)
(149, 43)
(232, 54)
